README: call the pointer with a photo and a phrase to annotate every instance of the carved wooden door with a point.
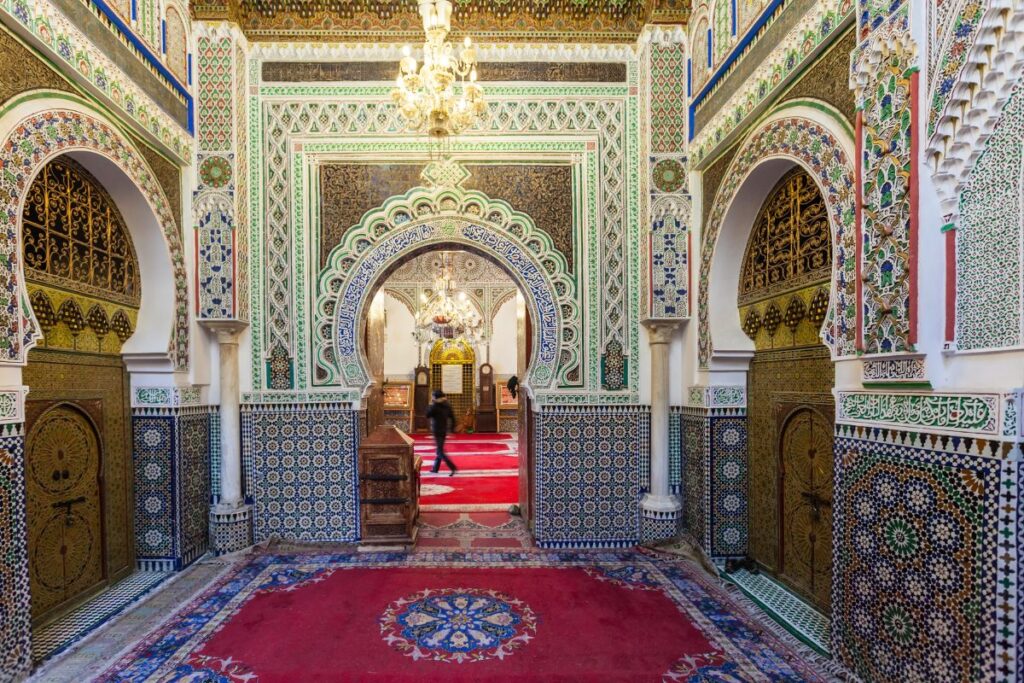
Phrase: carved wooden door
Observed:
(805, 514)
(65, 540)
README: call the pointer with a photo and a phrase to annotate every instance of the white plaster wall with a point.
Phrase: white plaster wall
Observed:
(504, 340)
(400, 353)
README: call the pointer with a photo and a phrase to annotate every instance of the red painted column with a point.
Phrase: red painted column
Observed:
(950, 231)
(858, 215)
(914, 198)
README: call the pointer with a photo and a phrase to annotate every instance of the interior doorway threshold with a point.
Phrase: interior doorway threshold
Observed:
(792, 612)
(53, 637)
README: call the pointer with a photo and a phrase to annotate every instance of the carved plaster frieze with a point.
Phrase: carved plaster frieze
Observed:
(12, 404)
(376, 52)
(975, 101)
(823, 21)
(663, 36)
(64, 44)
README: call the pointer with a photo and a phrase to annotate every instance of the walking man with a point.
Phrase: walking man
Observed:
(441, 417)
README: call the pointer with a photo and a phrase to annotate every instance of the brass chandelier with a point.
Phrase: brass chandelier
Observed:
(426, 95)
(446, 313)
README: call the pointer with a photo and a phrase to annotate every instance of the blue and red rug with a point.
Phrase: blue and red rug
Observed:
(551, 616)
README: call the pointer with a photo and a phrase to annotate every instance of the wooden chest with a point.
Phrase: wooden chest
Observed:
(389, 487)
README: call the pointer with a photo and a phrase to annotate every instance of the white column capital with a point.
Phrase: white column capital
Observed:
(226, 331)
(661, 330)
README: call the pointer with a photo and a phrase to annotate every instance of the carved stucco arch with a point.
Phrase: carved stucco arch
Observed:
(421, 218)
(817, 138)
(40, 125)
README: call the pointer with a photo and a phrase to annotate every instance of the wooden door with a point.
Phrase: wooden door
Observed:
(65, 540)
(805, 505)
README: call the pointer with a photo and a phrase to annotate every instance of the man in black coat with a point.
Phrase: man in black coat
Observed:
(441, 417)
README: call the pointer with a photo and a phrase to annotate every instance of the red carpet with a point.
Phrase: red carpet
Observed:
(490, 436)
(613, 615)
(477, 493)
(531, 625)
(463, 447)
(474, 454)
(475, 462)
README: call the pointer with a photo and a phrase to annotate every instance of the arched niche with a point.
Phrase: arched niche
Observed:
(818, 139)
(39, 126)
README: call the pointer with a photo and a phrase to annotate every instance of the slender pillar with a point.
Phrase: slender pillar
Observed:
(660, 509)
(230, 521)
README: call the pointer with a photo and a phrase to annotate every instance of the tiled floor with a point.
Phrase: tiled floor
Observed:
(782, 605)
(100, 646)
(53, 637)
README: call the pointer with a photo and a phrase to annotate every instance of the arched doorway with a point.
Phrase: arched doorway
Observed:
(783, 302)
(409, 355)
(84, 285)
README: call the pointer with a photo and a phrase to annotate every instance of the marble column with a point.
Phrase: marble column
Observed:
(230, 518)
(660, 509)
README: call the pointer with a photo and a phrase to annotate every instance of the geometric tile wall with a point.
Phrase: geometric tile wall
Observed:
(303, 483)
(925, 556)
(15, 624)
(714, 471)
(171, 459)
(728, 486)
(194, 448)
(588, 462)
(695, 428)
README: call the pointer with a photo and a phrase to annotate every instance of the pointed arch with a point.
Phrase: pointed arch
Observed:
(816, 137)
(424, 218)
(37, 126)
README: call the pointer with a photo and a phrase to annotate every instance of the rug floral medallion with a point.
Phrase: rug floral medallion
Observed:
(623, 615)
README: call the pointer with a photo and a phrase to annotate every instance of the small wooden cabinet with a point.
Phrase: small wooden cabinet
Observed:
(389, 487)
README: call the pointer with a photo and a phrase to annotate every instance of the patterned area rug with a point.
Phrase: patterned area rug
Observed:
(539, 616)
(472, 531)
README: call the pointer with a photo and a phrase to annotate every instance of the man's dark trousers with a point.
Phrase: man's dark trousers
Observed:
(439, 439)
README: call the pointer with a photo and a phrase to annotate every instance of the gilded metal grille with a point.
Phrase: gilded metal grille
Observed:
(75, 238)
(455, 352)
(790, 243)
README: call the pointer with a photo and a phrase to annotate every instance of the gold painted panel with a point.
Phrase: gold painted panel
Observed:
(778, 381)
(456, 352)
(790, 243)
(96, 385)
(783, 300)
(75, 322)
(65, 535)
(75, 237)
(788, 320)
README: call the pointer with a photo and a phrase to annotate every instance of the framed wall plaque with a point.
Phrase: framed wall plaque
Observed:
(505, 400)
(397, 395)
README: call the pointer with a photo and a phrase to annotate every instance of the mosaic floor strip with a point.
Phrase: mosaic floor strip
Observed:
(52, 638)
(782, 605)
(95, 649)
(472, 530)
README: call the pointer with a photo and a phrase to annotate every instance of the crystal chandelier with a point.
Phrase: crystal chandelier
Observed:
(425, 94)
(446, 313)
